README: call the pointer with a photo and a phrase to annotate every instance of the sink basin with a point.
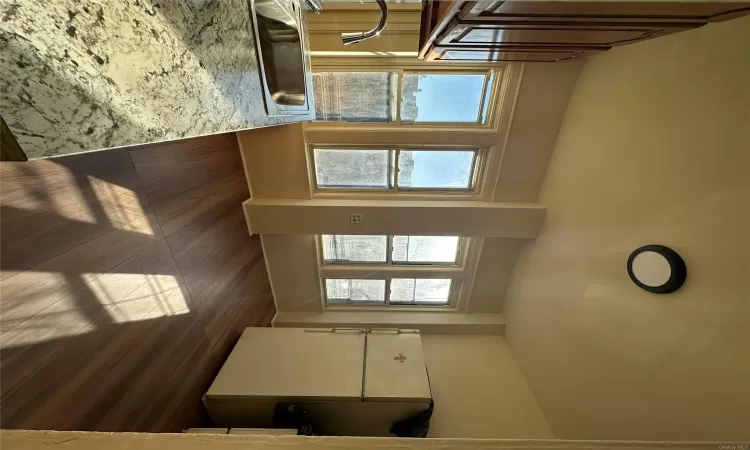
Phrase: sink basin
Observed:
(281, 56)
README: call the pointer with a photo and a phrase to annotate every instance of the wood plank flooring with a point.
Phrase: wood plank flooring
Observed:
(127, 277)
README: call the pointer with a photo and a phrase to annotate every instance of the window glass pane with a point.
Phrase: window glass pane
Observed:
(423, 290)
(441, 97)
(353, 96)
(425, 249)
(487, 93)
(357, 291)
(354, 248)
(435, 169)
(361, 169)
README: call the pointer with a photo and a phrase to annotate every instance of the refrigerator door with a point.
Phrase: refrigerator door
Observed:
(395, 368)
(293, 363)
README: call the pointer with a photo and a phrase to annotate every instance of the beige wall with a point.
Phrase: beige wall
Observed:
(275, 161)
(479, 391)
(292, 265)
(493, 274)
(538, 114)
(655, 148)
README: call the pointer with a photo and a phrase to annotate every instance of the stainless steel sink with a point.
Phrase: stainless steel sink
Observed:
(279, 42)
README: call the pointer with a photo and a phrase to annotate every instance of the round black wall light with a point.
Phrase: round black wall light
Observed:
(657, 269)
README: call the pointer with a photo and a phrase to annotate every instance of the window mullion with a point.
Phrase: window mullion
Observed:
(397, 154)
(389, 253)
(481, 99)
(400, 76)
(387, 291)
(391, 169)
(472, 174)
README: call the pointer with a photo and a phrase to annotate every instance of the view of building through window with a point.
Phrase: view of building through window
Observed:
(424, 97)
(374, 169)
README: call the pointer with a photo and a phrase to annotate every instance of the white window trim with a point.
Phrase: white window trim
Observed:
(461, 273)
(474, 192)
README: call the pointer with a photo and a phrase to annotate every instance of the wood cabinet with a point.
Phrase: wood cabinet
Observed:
(540, 34)
(467, 54)
(350, 382)
(601, 11)
(552, 31)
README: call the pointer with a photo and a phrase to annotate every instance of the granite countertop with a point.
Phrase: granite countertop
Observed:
(82, 75)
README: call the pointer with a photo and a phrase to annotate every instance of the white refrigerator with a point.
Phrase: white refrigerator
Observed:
(351, 382)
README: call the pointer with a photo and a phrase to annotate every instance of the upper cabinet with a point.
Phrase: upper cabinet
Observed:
(554, 31)
(533, 11)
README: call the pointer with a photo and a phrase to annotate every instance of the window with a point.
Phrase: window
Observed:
(354, 96)
(355, 249)
(395, 291)
(355, 291)
(390, 270)
(425, 249)
(395, 170)
(393, 250)
(419, 290)
(359, 169)
(441, 97)
(403, 96)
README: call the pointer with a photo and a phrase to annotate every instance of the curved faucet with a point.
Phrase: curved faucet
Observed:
(353, 38)
(315, 5)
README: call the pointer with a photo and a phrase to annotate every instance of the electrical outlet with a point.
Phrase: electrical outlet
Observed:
(356, 218)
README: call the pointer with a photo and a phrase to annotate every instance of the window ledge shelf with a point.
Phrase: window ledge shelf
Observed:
(438, 322)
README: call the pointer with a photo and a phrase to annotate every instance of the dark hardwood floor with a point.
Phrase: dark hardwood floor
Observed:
(127, 277)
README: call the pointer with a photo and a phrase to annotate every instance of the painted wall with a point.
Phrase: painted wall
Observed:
(493, 274)
(292, 265)
(654, 148)
(275, 161)
(538, 114)
(479, 391)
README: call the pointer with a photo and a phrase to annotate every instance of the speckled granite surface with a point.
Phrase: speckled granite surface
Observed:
(81, 75)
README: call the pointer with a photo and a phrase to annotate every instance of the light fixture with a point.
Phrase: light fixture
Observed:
(657, 269)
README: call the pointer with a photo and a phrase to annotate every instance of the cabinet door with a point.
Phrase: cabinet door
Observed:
(479, 35)
(699, 12)
(395, 368)
(293, 363)
(519, 53)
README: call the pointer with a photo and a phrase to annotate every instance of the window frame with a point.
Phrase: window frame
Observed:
(492, 78)
(476, 172)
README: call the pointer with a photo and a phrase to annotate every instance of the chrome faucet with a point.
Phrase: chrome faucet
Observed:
(315, 5)
(353, 38)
